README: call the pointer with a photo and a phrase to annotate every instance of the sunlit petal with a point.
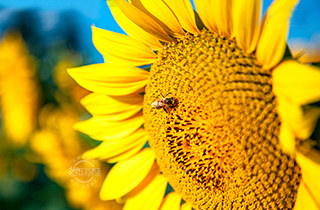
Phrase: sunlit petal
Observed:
(100, 129)
(205, 11)
(171, 202)
(126, 154)
(109, 149)
(186, 206)
(297, 83)
(154, 171)
(297, 122)
(185, 14)
(113, 108)
(161, 11)
(100, 104)
(222, 12)
(309, 190)
(121, 49)
(126, 175)
(247, 20)
(305, 199)
(110, 79)
(150, 197)
(132, 29)
(272, 43)
(143, 20)
(287, 138)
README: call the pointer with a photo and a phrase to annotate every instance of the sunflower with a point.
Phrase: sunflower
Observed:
(227, 112)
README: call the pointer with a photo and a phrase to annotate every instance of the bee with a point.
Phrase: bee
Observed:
(163, 102)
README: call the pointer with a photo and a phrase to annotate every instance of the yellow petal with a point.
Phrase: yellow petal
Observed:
(126, 175)
(96, 102)
(272, 43)
(100, 104)
(161, 11)
(143, 20)
(305, 200)
(304, 126)
(109, 79)
(222, 12)
(287, 138)
(109, 149)
(171, 202)
(113, 108)
(185, 14)
(150, 197)
(205, 8)
(300, 122)
(154, 171)
(121, 115)
(247, 20)
(297, 83)
(121, 49)
(309, 190)
(100, 129)
(138, 4)
(126, 154)
(186, 206)
(132, 29)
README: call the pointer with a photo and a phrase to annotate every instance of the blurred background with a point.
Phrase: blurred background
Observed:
(39, 101)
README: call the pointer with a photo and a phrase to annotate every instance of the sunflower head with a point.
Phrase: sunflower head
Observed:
(220, 141)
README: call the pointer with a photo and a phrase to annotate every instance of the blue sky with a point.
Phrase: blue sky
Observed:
(305, 21)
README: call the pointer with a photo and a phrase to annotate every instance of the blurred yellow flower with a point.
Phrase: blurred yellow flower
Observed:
(19, 89)
(224, 108)
(54, 140)
(66, 84)
(57, 145)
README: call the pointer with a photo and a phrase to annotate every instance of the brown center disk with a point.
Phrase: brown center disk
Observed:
(218, 146)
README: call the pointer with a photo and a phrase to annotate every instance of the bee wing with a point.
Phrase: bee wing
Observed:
(154, 104)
